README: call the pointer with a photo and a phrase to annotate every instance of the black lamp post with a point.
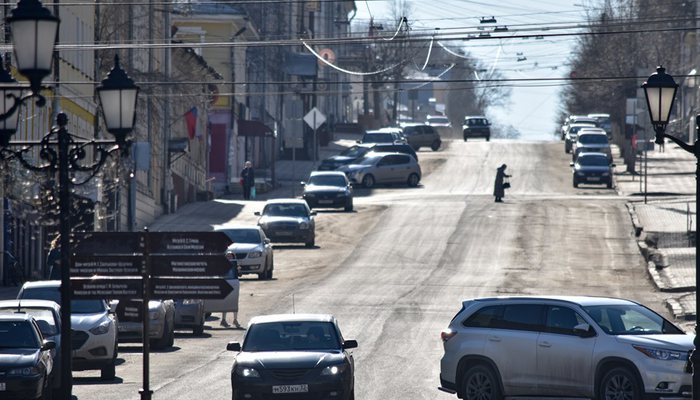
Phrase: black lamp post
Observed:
(660, 91)
(34, 31)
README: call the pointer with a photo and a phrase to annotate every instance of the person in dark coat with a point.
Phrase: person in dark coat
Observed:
(53, 259)
(247, 179)
(498, 189)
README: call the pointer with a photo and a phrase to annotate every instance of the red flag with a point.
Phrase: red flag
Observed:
(191, 121)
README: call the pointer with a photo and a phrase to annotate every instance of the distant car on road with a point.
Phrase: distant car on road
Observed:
(382, 136)
(295, 356)
(576, 119)
(345, 157)
(591, 140)
(328, 189)
(384, 168)
(252, 249)
(476, 126)
(421, 135)
(440, 121)
(288, 221)
(572, 134)
(593, 168)
(563, 346)
(395, 148)
(93, 328)
(26, 359)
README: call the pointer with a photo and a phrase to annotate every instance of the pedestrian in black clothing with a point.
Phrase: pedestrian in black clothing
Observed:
(247, 179)
(498, 188)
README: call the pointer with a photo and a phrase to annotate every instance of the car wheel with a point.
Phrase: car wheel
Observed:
(164, 340)
(488, 138)
(47, 391)
(413, 180)
(619, 383)
(199, 329)
(171, 335)
(609, 185)
(575, 183)
(435, 146)
(348, 206)
(368, 181)
(480, 383)
(108, 373)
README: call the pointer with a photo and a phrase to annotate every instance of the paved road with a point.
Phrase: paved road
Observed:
(394, 271)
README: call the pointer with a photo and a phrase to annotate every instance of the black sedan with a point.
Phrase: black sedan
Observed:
(593, 168)
(293, 356)
(346, 157)
(288, 221)
(26, 360)
(328, 189)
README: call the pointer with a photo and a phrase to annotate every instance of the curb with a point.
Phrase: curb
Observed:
(663, 283)
(679, 312)
(638, 228)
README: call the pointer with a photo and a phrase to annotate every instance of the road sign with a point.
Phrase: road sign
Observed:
(107, 265)
(107, 288)
(188, 242)
(178, 288)
(105, 243)
(129, 310)
(190, 265)
(314, 118)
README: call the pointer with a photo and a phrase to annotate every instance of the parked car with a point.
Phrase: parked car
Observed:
(576, 119)
(328, 189)
(566, 346)
(379, 136)
(603, 121)
(251, 248)
(189, 314)
(288, 221)
(572, 135)
(396, 131)
(345, 157)
(394, 148)
(476, 126)
(299, 356)
(161, 314)
(26, 359)
(591, 140)
(93, 328)
(47, 315)
(421, 135)
(384, 168)
(593, 168)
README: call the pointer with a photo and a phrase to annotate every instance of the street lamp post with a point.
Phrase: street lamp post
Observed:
(660, 91)
(34, 31)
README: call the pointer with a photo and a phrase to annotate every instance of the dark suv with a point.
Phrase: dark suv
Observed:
(476, 127)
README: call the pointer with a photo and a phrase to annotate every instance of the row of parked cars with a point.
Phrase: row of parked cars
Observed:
(587, 138)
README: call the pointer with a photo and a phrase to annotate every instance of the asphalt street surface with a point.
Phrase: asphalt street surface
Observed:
(395, 270)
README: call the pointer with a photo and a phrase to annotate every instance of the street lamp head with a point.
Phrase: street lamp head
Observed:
(34, 31)
(10, 92)
(660, 91)
(118, 94)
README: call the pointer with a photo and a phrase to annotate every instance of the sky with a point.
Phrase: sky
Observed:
(532, 110)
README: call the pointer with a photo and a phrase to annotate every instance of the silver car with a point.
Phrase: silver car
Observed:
(252, 249)
(563, 346)
(572, 135)
(161, 324)
(377, 168)
(591, 140)
(93, 327)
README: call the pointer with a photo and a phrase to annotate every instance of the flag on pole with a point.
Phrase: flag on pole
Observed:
(191, 121)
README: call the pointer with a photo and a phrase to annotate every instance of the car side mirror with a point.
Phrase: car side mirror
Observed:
(613, 165)
(350, 344)
(233, 346)
(571, 164)
(48, 345)
(257, 213)
(267, 241)
(584, 330)
(312, 212)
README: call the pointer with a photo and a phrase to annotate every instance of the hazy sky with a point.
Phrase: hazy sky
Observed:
(534, 105)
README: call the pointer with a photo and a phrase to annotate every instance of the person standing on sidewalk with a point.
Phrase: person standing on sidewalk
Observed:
(53, 259)
(232, 279)
(247, 179)
(499, 186)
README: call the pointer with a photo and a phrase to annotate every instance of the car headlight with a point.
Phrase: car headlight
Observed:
(26, 371)
(304, 225)
(255, 254)
(100, 329)
(333, 370)
(246, 372)
(661, 354)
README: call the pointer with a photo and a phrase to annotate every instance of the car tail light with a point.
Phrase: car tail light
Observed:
(447, 334)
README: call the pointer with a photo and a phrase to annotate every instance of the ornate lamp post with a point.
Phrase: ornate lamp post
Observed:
(660, 91)
(34, 31)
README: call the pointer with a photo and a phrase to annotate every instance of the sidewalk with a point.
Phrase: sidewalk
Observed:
(665, 226)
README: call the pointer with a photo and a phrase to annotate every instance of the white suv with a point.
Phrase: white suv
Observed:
(566, 346)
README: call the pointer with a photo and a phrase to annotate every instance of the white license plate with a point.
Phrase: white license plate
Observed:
(2, 387)
(592, 179)
(325, 202)
(290, 389)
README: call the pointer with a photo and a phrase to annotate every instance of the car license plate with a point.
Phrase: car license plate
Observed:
(290, 389)
(284, 233)
(2, 387)
(593, 179)
(325, 202)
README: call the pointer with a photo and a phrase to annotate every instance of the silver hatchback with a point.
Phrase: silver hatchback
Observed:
(377, 168)
(566, 346)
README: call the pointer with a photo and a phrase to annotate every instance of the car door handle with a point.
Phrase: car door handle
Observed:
(545, 344)
(494, 339)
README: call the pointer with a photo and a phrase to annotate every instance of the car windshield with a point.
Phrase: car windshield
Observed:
(327, 180)
(18, 334)
(630, 319)
(593, 160)
(355, 151)
(52, 293)
(475, 121)
(440, 120)
(292, 336)
(593, 139)
(285, 210)
(242, 235)
(377, 138)
(44, 318)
